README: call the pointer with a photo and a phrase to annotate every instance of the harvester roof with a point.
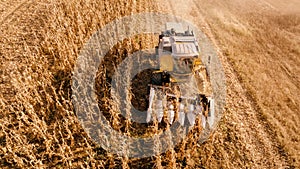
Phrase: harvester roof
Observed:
(184, 49)
(182, 46)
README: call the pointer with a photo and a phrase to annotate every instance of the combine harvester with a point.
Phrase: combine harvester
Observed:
(180, 90)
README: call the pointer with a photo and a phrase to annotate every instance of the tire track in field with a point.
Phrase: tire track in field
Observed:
(262, 134)
(255, 132)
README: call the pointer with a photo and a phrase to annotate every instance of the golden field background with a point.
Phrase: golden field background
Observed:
(258, 43)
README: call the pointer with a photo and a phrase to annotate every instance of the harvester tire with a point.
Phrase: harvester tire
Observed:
(156, 79)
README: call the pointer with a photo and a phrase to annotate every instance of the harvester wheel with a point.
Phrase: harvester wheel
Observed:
(156, 79)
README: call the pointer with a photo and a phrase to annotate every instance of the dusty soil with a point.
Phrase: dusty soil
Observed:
(257, 43)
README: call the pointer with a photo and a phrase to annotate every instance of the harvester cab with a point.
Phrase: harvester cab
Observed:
(181, 87)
